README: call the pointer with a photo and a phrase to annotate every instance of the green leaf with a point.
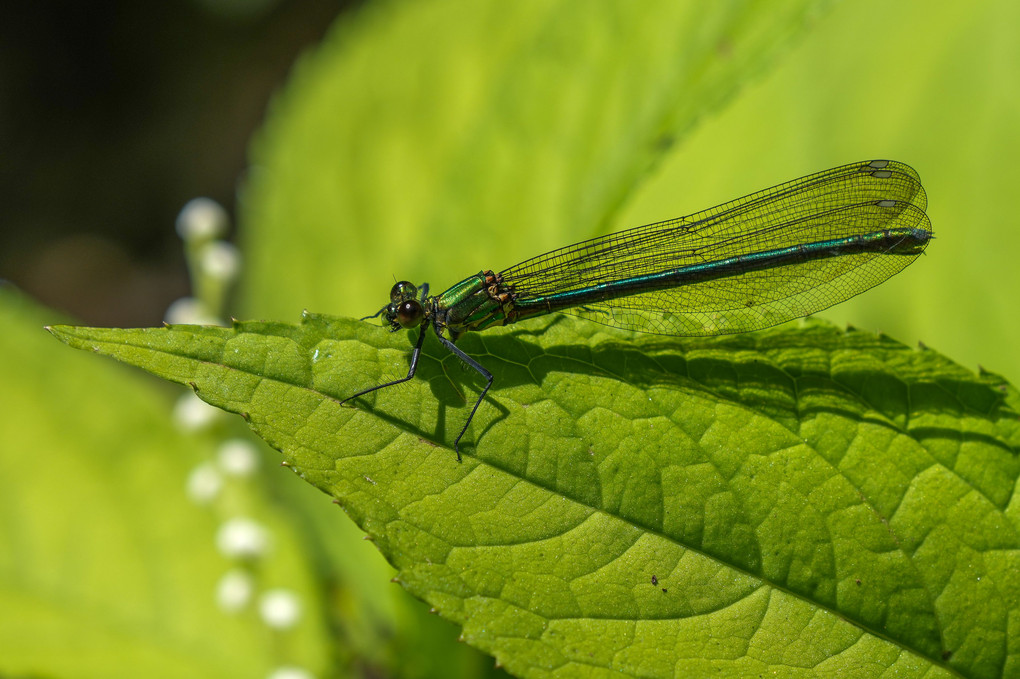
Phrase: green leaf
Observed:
(801, 502)
(106, 569)
(505, 129)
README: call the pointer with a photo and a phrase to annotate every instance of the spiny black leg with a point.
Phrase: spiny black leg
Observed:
(484, 373)
(410, 373)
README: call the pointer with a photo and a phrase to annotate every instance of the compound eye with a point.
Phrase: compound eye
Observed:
(403, 291)
(410, 313)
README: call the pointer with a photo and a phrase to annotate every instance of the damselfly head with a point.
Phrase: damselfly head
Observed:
(405, 311)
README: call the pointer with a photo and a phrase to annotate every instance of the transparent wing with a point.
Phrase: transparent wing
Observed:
(852, 200)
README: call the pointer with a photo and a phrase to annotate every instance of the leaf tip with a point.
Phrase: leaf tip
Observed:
(58, 331)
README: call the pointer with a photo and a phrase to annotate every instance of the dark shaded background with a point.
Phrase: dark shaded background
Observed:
(112, 116)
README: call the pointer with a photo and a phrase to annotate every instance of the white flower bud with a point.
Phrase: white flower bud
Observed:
(234, 590)
(279, 608)
(202, 219)
(238, 457)
(204, 483)
(193, 414)
(242, 539)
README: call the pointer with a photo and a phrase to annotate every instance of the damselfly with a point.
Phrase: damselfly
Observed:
(754, 262)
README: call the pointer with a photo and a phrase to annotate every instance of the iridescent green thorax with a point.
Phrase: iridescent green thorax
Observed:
(476, 303)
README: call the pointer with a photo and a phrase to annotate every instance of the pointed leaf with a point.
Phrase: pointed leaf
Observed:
(805, 502)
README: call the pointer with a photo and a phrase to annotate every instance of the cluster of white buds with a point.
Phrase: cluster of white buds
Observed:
(214, 265)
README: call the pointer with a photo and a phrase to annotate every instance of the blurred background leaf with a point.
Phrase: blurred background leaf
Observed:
(349, 182)
(923, 83)
(105, 569)
(524, 128)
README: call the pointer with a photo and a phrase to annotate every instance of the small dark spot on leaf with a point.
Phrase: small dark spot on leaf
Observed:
(858, 581)
(655, 580)
(664, 590)
(946, 655)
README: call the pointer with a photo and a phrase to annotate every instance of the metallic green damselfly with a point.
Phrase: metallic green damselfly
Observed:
(755, 262)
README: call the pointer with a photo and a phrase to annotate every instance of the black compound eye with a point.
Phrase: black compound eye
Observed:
(410, 313)
(403, 291)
